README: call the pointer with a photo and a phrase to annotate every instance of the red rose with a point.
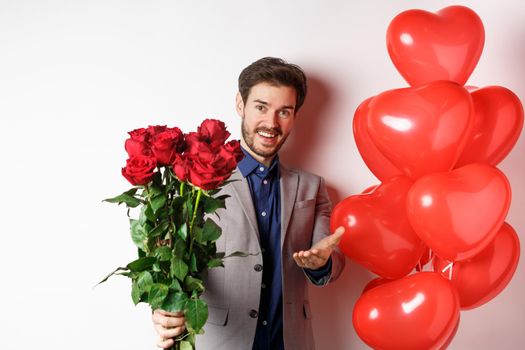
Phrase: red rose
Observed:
(155, 129)
(195, 144)
(210, 135)
(213, 132)
(181, 167)
(138, 143)
(139, 169)
(234, 148)
(208, 170)
(166, 144)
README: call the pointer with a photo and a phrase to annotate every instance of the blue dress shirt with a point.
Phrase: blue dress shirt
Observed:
(265, 190)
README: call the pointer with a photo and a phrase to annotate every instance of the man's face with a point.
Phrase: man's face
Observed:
(268, 115)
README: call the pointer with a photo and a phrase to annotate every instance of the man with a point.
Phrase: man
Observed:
(261, 301)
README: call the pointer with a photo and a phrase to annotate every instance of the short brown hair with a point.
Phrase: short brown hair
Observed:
(274, 71)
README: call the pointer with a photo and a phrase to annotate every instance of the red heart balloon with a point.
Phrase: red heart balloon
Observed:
(375, 282)
(378, 234)
(421, 130)
(416, 312)
(458, 213)
(378, 164)
(426, 47)
(483, 276)
(451, 336)
(498, 120)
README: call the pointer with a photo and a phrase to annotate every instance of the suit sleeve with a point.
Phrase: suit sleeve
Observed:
(323, 209)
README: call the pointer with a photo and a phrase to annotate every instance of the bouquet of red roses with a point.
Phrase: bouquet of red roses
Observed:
(176, 178)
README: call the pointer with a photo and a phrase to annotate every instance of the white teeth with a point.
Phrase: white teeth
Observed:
(265, 134)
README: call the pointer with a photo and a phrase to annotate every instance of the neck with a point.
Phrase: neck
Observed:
(266, 161)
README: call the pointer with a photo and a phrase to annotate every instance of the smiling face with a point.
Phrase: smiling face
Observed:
(268, 115)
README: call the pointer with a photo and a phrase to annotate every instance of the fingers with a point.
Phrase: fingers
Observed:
(168, 319)
(336, 237)
(168, 325)
(310, 259)
(165, 343)
(167, 333)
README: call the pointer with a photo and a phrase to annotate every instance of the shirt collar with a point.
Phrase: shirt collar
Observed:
(248, 164)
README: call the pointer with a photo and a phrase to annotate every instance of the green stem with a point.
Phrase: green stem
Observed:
(168, 179)
(199, 194)
(181, 192)
(146, 189)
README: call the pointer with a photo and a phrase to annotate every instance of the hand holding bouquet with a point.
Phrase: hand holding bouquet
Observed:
(176, 179)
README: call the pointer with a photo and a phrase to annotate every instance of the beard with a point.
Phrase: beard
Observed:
(249, 140)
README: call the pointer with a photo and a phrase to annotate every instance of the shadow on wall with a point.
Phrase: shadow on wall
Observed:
(303, 141)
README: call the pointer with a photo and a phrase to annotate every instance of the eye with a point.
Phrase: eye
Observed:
(260, 108)
(284, 113)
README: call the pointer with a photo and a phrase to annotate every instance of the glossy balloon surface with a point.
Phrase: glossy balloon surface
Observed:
(416, 312)
(482, 277)
(458, 213)
(498, 121)
(378, 234)
(378, 164)
(421, 130)
(426, 46)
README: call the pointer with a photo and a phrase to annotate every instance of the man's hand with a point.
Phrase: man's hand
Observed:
(168, 325)
(317, 256)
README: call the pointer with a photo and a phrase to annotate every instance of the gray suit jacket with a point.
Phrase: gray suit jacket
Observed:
(233, 292)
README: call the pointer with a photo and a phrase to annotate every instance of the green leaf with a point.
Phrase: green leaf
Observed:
(185, 345)
(210, 232)
(183, 231)
(138, 234)
(177, 204)
(111, 274)
(193, 263)
(149, 214)
(175, 285)
(196, 314)
(175, 301)
(126, 197)
(215, 263)
(157, 181)
(144, 281)
(158, 202)
(212, 204)
(142, 217)
(156, 267)
(135, 293)
(141, 264)
(179, 248)
(160, 229)
(193, 284)
(179, 268)
(157, 294)
(164, 253)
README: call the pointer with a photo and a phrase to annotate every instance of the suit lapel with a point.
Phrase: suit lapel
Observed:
(288, 187)
(241, 190)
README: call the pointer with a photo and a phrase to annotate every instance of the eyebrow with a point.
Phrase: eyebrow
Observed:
(266, 104)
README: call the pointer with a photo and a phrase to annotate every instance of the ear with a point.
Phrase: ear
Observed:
(239, 104)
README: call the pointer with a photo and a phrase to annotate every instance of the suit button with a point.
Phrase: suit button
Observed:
(254, 314)
(258, 267)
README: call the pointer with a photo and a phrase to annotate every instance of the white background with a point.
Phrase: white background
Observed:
(75, 76)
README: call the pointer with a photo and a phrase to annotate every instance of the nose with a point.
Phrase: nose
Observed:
(272, 119)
